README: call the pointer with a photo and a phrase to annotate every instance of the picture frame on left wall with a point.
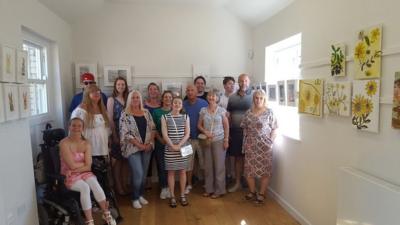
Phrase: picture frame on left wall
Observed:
(2, 105)
(22, 66)
(24, 101)
(11, 101)
(81, 68)
(112, 72)
(7, 64)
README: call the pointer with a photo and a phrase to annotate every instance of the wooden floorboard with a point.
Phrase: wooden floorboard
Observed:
(231, 209)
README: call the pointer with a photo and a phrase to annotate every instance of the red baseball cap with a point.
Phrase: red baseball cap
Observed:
(87, 77)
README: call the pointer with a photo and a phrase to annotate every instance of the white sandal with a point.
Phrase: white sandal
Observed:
(108, 218)
(89, 222)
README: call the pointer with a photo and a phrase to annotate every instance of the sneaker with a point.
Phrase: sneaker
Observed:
(234, 188)
(143, 201)
(187, 189)
(168, 195)
(136, 204)
(164, 193)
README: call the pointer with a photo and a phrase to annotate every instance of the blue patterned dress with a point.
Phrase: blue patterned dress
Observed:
(118, 107)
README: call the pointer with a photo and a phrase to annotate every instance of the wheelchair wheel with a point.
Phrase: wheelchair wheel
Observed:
(76, 216)
(43, 215)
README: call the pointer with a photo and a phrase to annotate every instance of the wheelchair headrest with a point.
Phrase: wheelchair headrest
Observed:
(53, 136)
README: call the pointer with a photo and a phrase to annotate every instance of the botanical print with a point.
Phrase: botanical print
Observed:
(338, 60)
(24, 103)
(2, 116)
(338, 98)
(112, 72)
(396, 102)
(367, 54)
(8, 64)
(310, 97)
(11, 101)
(291, 92)
(281, 91)
(272, 92)
(22, 69)
(365, 105)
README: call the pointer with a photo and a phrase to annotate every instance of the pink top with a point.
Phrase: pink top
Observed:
(70, 180)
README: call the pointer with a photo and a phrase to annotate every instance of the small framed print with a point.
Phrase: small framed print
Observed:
(81, 68)
(271, 92)
(22, 67)
(7, 64)
(112, 72)
(11, 101)
(24, 101)
(291, 92)
(175, 88)
(281, 92)
(2, 115)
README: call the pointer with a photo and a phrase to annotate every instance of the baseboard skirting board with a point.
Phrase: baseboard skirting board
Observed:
(289, 208)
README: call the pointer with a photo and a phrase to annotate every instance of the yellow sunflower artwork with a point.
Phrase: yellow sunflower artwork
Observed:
(365, 105)
(367, 53)
(310, 97)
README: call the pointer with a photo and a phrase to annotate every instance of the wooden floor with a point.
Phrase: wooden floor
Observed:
(231, 209)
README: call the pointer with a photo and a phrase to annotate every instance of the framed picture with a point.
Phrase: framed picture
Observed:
(311, 94)
(112, 72)
(7, 64)
(271, 92)
(175, 88)
(22, 66)
(11, 101)
(281, 92)
(2, 115)
(81, 68)
(291, 92)
(24, 101)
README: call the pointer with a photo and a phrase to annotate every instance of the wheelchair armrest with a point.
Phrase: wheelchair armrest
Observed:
(56, 178)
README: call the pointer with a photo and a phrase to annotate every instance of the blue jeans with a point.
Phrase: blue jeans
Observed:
(162, 173)
(139, 163)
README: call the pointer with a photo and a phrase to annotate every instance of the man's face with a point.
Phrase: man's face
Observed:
(229, 86)
(191, 92)
(244, 82)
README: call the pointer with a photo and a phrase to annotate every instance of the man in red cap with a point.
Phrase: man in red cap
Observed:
(86, 78)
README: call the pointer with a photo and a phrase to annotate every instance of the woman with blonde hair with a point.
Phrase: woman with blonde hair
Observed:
(259, 131)
(137, 142)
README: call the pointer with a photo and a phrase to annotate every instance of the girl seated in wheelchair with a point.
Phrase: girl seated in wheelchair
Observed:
(76, 160)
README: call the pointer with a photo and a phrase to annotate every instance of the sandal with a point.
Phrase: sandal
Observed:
(214, 196)
(260, 199)
(250, 196)
(184, 201)
(172, 202)
(89, 222)
(108, 218)
(205, 194)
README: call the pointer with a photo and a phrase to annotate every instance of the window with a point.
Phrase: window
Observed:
(37, 77)
(282, 61)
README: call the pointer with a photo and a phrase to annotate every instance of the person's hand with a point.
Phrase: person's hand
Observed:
(208, 134)
(176, 147)
(147, 147)
(226, 145)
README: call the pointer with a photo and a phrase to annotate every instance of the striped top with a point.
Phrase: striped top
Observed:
(176, 126)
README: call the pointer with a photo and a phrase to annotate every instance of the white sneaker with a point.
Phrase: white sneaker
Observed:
(234, 188)
(136, 204)
(143, 201)
(187, 189)
(164, 193)
(168, 195)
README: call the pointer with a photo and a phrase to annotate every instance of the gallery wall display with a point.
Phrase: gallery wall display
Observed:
(24, 101)
(311, 96)
(22, 66)
(7, 64)
(365, 105)
(291, 92)
(11, 101)
(338, 60)
(367, 53)
(112, 72)
(81, 68)
(338, 98)
(175, 88)
(281, 92)
(2, 105)
(396, 102)
(271, 92)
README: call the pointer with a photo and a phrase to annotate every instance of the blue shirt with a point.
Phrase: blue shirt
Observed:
(193, 111)
(77, 99)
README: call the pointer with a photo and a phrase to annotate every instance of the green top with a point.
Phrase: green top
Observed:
(157, 114)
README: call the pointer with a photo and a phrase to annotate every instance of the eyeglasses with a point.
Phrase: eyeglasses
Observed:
(89, 82)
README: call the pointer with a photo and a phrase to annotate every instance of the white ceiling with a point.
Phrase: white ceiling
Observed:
(253, 12)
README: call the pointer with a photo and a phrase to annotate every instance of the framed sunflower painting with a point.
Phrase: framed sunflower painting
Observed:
(365, 105)
(367, 53)
(310, 97)
(396, 102)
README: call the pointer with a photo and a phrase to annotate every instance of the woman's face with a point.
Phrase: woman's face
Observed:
(76, 126)
(153, 91)
(120, 86)
(212, 98)
(258, 101)
(200, 85)
(167, 99)
(177, 104)
(95, 95)
(135, 99)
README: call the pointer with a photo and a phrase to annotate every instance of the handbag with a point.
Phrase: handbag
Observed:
(186, 150)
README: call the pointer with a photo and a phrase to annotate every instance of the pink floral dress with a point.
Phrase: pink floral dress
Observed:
(70, 180)
(257, 143)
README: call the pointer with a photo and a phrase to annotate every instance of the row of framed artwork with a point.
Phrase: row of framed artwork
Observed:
(109, 73)
(14, 101)
(13, 65)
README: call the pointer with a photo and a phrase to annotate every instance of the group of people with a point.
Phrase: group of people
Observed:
(212, 124)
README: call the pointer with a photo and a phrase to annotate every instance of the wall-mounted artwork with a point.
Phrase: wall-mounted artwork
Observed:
(310, 97)
(2, 106)
(81, 68)
(365, 105)
(271, 92)
(175, 88)
(367, 53)
(22, 66)
(112, 72)
(11, 101)
(291, 92)
(24, 101)
(7, 64)
(396, 102)
(338, 98)
(338, 60)
(281, 92)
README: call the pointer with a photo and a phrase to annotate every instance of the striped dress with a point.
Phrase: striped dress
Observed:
(174, 159)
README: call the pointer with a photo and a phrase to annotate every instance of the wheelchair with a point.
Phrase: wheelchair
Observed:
(61, 204)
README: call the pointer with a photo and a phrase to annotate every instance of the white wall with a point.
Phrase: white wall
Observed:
(17, 183)
(163, 40)
(305, 172)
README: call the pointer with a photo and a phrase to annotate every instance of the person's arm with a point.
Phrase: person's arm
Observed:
(110, 113)
(164, 132)
(225, 124)
(187, 132)
(200, 125)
